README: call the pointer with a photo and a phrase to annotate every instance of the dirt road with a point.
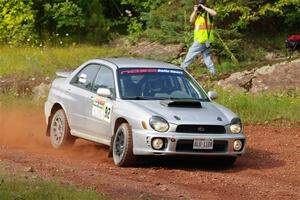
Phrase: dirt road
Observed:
(269, 170)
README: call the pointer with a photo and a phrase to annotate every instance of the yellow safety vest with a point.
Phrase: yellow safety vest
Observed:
(204, 30)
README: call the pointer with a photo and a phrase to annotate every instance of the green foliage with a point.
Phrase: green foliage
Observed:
(16, 21)
(134, 29)
(232, 39)
(263, 107)
(96, 28)
(64, 22)
(228, 67)
(136, 15)
(13, 187)
(142, 6)
(243, 14)
(34, 62)
(170, 23)
(66, 15)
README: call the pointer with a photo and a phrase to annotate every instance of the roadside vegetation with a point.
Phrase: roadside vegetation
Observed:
(263, 108)
(245, 29)
(36, 62)
(14, 187)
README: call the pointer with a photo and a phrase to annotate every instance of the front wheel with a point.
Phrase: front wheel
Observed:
(60, 131)
(122, 148)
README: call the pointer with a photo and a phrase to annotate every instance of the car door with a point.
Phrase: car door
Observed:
(100, 108)
(78, 96)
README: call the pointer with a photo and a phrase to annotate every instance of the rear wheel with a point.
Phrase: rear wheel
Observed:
(60, 131)
(122, 147)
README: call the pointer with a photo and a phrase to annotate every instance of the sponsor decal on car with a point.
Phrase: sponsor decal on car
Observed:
(141, 71)
(170, 71)
(99, 102)
(102, 110)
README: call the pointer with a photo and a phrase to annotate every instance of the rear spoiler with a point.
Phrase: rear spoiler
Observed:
(63, 74)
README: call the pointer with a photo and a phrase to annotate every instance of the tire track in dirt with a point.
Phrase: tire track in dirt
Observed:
(269, 170)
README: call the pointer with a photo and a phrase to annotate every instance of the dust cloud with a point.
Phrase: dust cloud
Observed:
(25, 130)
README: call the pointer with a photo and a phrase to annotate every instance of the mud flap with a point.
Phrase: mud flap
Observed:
(48, 128)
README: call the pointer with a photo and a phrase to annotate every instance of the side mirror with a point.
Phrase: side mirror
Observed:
(104, 92)
(213, 95)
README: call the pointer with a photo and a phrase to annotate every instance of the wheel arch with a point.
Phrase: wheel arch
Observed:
(55, 107)
(117, 123)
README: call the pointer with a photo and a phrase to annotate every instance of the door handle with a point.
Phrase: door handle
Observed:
(91, 100)
(68, 91)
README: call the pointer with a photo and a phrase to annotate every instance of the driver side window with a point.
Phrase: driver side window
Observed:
(84, 79)
(104, 79)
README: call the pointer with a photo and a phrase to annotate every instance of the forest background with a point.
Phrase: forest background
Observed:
(246, 27)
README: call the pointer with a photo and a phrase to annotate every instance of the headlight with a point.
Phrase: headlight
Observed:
(236, 125)
(235, 128)
(159, 124)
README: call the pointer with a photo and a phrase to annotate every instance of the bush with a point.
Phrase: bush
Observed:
(169, 23)
(263, 107)
(16, 21)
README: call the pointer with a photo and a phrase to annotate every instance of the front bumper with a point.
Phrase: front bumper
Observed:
(182, 143)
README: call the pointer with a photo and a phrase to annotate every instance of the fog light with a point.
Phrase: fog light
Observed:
(237, 145)
(157, 143)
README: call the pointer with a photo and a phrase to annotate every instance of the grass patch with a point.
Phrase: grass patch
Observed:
(263, 107)
(18, 188)
(38, 62)
(226, 67)
(198, 70)
(13, 100)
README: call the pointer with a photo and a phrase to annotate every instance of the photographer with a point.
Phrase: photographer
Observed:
(202, 19)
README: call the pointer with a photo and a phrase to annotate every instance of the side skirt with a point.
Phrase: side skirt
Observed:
(91, 138)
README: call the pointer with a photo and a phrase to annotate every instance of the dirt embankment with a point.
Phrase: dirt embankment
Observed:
(269, 170)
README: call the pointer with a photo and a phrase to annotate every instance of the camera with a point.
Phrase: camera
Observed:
(198, 2)
(203, 2)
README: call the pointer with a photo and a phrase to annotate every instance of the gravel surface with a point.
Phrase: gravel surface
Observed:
(270, 169)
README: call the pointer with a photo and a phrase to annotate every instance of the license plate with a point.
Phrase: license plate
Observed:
(203, 143)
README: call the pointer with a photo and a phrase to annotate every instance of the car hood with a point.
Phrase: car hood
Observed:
(209, 113)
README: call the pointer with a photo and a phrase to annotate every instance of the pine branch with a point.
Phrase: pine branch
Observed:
(232, 57)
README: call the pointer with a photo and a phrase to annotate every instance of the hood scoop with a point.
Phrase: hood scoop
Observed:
(181, 103)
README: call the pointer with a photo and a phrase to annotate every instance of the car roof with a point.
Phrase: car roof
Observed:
(139, 63)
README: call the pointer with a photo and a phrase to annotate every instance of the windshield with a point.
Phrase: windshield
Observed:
(144, 84)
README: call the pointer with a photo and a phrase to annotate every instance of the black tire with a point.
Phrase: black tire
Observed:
(60, 135)
(122, 146)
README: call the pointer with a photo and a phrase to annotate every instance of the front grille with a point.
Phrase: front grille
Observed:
(187, 146)
(214, 129)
